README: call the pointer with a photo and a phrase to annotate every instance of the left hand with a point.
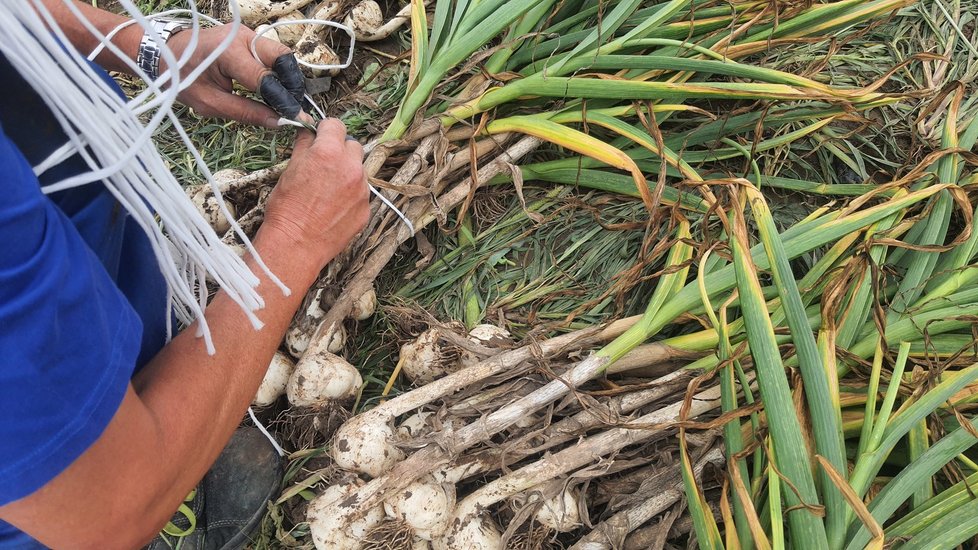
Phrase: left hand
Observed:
(275, 75)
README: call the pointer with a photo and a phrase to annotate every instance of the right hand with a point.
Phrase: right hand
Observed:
(321, 200)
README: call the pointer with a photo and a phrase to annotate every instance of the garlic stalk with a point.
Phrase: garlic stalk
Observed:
(576, 456)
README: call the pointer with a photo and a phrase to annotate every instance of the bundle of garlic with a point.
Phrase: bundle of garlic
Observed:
(430, 460)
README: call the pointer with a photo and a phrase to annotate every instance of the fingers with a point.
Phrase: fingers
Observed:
(279, 97)
(287, 69)
(327, 139)
(242, 109)
(303, 141)
(269, 50)
(332, 131)
(353, 147)
(282, 87)
(283, 63)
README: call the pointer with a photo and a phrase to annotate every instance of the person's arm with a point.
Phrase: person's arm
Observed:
(126, 40)
(211, 94)
(183, 407)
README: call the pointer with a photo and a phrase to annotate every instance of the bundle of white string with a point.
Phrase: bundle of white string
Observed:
(107, 132)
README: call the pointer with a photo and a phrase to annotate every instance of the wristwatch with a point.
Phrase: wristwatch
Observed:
(148, 57)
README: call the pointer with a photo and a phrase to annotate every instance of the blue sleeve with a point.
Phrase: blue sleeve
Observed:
(69, 339)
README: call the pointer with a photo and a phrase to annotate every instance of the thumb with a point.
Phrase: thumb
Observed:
(303, 138)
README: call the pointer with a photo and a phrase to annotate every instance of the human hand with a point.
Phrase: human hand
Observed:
(275, 75)
(321, 200)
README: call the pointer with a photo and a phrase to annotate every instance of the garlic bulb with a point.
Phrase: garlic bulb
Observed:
(365, 446)
(290, 34)
(267, 31)
(423, 423)
(367, 21)
(365, 18)
(470, 533)
(364, 306)
(329, 521)
(489, 336)
(326, 10)
(254, 12)
(560, 513)
(425, 359)
(224, 178)
(315, 52)
(239, 249)
(297, 341)
(335, 338)
(276, 379)
(311, 46)
(206, 202)
(425, 505)
(320, 378)
(300, 331)
(414, 426)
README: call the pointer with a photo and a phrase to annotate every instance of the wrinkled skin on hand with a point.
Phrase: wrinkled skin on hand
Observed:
(275, 75)
(321, 200)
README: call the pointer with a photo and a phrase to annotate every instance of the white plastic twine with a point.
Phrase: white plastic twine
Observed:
(107, 132)
(323, 23)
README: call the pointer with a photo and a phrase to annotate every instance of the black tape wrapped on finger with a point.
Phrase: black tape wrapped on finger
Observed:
(287, 69)
(278, 97)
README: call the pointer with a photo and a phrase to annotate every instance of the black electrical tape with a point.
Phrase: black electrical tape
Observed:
(287, 69)
(278, 97)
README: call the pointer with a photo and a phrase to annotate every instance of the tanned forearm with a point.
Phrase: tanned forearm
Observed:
(174, 421)
(127, 40)
(182, 408)
(197, 400)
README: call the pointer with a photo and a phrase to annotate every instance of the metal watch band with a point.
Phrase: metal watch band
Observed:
(148, 57)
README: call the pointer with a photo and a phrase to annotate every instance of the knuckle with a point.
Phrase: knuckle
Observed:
(245, 34)
(325, 151)
(357, 175)
(332, 125)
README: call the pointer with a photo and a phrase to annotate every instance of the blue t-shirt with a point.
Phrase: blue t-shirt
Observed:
(82, 304)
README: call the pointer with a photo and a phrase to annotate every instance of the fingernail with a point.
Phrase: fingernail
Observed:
(272, 123)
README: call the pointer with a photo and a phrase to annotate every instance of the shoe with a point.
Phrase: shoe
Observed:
(231, 500)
